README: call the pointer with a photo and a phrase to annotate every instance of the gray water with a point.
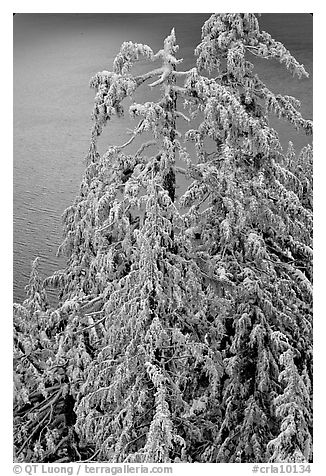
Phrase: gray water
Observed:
(55, 55)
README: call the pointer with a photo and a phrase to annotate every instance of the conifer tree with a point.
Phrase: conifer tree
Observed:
(256, 229)
(183, 331)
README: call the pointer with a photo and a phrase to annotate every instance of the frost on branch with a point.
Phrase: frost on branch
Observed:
(293, 409)
(230, 34)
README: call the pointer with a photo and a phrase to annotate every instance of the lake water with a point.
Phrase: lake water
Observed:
(55, 55)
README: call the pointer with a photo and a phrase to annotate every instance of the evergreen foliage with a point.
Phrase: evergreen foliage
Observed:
(184, 326)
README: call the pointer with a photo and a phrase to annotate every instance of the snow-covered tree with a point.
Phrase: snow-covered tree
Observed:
(183, 331)
(255, 230)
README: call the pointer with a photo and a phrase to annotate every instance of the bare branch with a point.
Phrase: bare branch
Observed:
(135, 132)
(165, 74)
(180, 114)
(141, 79)
(145, 145)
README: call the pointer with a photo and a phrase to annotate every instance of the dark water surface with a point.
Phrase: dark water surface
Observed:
(55, 55)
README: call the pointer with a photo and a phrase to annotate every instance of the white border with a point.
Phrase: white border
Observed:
(7, 190)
